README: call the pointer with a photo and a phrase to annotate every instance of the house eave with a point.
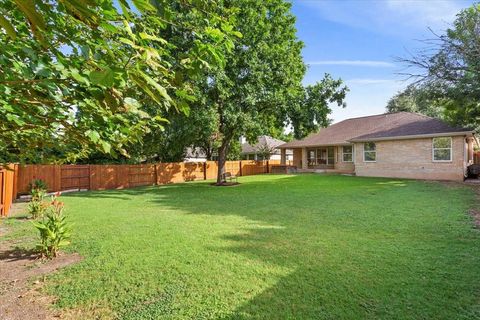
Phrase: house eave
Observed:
(346, 143)
(415, 136)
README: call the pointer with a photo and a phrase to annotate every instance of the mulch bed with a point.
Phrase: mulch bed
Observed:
(225, 184)
(21, 277)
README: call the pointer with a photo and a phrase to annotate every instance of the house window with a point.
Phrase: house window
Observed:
(442, 149)
(347, 153)
(369, 152)
(312, 158)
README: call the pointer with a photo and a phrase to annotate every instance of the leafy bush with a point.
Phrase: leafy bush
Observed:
(38, 184)
(38, 191)
(37, 208)
(54, 229)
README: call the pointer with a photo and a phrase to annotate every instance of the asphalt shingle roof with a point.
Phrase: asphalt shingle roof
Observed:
(382, 126)
(262, 141)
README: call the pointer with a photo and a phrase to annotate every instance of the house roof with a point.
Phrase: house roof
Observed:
(388, 126)
(262, 141)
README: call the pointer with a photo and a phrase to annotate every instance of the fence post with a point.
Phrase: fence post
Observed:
(57, 185)
(156, 174)
(240, 164)
(15, 181)
(205, 170)
(268, 167)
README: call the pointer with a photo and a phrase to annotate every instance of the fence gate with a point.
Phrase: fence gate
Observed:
(74, 177)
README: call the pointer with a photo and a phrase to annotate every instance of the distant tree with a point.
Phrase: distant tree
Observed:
(262, 75)
(309, 109)
(418, 99)
(451, 66)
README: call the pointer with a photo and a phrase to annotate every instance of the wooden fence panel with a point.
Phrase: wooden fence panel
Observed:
(103, 177)
(251, 167)
(46, 172)
(141, 175)
(212, 169)
(7, 181)
(74, 177)
(175, 172)
(233, 167)
(193, 171)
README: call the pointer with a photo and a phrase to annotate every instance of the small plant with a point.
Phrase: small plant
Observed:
(38, 191)
(54, 229)
(37, 208)
(38, 184)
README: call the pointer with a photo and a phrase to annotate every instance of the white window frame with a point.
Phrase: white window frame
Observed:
(433, 150)
(343, 153)
(375, 151)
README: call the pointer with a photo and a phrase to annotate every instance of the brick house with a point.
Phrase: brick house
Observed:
(400, 145)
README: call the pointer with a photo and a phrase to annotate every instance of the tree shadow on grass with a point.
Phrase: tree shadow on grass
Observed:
(17, 254)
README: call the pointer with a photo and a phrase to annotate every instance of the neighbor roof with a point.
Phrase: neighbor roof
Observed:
(262, 141)
(400, 125)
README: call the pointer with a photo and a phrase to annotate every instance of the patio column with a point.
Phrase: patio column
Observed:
(283, 156)
(304, 158)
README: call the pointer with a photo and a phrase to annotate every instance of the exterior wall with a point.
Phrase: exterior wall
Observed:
(297, 158)
(412, 159)
(347, 167)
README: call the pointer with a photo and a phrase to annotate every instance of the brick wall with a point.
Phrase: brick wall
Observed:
(297, 158)
(411, 159)
(347, 167)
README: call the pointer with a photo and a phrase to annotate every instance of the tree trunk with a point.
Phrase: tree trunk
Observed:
(222, 156)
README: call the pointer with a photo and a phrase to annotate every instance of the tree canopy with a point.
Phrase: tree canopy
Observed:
(450, 71)
(259, 89)
(78, 76)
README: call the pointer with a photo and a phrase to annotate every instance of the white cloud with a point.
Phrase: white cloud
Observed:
(360, 63)
(399, 17)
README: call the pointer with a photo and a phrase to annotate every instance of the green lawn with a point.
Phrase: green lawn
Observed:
(275, 247)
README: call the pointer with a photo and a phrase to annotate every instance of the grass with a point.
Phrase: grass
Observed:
(274, 247)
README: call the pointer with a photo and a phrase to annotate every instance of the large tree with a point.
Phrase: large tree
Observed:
(417, 98)
(77, 76)
(254, 91)
(450, 69)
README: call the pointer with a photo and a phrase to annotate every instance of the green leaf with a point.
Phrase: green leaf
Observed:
(80, 10)
(106, 146)
(93, 135)
(143, 5)
(28, 8)
(144, 36)
(104, 77)
(8, 27)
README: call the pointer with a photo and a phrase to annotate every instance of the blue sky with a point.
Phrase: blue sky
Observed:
(358, 41)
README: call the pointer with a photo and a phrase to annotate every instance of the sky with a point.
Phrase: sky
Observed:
(359, 41)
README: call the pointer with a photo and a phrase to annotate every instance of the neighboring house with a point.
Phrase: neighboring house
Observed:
(194, 155)
(264, 149)
(402, 145)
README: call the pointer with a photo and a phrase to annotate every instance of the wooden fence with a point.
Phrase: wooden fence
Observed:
(7, 186)
(102, 177)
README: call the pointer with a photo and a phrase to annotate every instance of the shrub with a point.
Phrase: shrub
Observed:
(38, 184)
(37, 208)
(38, 191)
(54, 229)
